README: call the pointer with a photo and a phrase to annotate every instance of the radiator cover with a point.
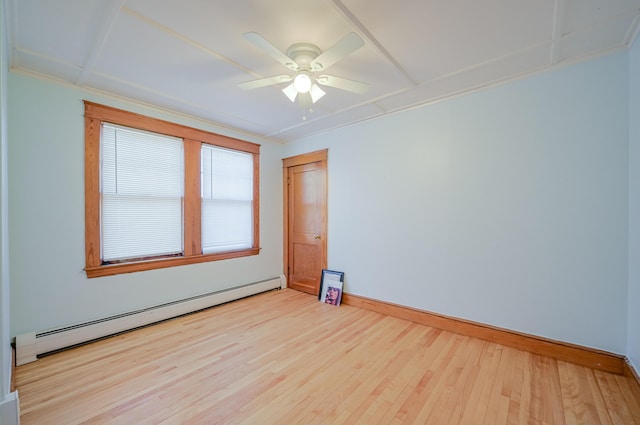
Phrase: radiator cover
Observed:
(30, 345)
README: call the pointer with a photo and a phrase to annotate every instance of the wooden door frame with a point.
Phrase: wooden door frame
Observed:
(307, 158)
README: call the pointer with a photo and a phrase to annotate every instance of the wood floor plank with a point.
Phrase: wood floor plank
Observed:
(426, 379)
(573, 406)
(427, 347)
(617, 407)
(589, 410)
(631, 393)
(515, 390)
(283, 358)
(437, 391)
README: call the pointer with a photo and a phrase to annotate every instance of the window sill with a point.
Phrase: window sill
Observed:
(114, 269)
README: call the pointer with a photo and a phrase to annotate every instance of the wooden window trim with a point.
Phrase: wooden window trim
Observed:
(95, 114)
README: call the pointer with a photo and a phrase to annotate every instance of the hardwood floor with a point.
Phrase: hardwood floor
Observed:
(284, 358)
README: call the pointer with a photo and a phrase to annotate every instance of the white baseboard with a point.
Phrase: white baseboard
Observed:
(30, 345)
(10, 409)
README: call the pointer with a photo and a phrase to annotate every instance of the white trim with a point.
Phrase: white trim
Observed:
(10, 410)
(30, 345)
(27, 352)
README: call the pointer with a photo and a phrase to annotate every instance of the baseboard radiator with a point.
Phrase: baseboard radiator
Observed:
(31, 345)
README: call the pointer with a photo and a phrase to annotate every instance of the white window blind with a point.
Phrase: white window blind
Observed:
(142, 191)
(227, 199)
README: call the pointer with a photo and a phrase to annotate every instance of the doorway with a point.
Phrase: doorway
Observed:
(305, 220)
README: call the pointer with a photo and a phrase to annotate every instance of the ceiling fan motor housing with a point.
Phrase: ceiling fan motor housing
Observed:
(303, 54)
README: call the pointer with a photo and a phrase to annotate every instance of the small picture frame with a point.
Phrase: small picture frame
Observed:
(331, 284)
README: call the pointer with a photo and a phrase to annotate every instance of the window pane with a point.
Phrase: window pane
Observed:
(142, 189)
(137, 227)
(227, 199)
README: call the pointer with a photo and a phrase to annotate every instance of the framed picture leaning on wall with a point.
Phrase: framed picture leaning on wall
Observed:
(331, 284)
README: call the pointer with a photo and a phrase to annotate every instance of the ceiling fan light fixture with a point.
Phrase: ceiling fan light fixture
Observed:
(302, 82)
(291, 92)
(316, 93)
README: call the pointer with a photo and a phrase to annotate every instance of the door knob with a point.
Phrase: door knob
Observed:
(316, 237)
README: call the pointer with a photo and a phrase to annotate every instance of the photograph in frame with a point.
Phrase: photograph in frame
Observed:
(331, 284)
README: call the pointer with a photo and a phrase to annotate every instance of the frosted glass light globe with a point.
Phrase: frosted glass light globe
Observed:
(302, 83)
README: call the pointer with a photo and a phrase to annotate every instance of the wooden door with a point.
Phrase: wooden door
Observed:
(305, 221)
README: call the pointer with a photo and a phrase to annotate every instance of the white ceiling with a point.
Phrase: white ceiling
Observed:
(189, 55)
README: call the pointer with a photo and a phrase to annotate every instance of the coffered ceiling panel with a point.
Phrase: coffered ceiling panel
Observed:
(434, 38)
(190, 56)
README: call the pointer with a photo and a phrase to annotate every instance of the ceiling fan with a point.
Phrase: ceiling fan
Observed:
(307, 61)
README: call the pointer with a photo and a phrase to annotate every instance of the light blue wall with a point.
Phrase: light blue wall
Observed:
(8, 400)
(46, 211)
(633, 340)
(5, 333)
(507, 206)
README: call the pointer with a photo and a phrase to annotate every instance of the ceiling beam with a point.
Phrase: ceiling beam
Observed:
(346, 13)
(557, 29)
(112, 10)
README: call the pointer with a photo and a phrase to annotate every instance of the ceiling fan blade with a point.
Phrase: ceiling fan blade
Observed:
(291, 92)
(345, 46)
(254, 84)
(343, 84)
(259, 41)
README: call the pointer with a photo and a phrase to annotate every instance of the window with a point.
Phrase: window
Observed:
(227, 189)
(159, 194)
(142, 189)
